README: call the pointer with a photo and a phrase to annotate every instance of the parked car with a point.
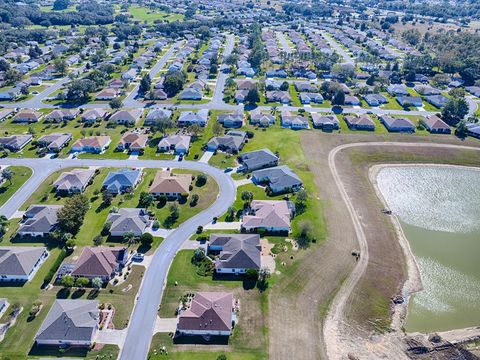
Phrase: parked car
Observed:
(138, 257)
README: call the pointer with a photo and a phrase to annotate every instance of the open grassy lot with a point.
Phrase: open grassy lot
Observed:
(145, 14)
(206, 134)
(20, 175)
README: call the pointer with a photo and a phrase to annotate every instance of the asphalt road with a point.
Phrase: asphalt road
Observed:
(283, 42)
(335, 46)
(142, 322)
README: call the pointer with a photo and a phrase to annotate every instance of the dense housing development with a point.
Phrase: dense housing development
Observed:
(239, 179)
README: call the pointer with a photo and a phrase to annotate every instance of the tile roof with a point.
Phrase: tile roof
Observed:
(166, 183)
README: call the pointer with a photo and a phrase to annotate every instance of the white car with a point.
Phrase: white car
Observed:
(138, 257)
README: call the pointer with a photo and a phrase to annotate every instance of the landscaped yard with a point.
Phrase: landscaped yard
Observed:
(145, 14)
(20, 175)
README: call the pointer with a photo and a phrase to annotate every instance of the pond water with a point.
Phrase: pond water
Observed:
(439, 211)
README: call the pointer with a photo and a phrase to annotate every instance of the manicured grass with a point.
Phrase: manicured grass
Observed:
(20, 175)
(204, 137)
(106, 352)
(145, 14)
(392, 103)
(223, 160)
(182, 278)
(294, 95)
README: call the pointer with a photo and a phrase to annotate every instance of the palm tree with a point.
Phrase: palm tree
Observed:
(7, 174)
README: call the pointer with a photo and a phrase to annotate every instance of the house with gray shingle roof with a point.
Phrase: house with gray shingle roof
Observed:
(122, 180)
(235, 253)
(55, 142)
(70, 323)
(278, 179)
(232, 142)
(325, 122)
(20, 263)
(178, 143)
(15, 142)
(73, 182)
(362, 122)
(231, 120)
(258, 159)
(39, 220)
(133, 220)
(262, 118)
(435, 125)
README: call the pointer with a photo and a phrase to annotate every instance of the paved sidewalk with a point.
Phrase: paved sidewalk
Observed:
(17, 215)
(190, 245)
(159, 232)
(234, 225)
(206, 156)
(165, 325)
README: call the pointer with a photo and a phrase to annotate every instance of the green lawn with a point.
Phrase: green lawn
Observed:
(145, 14)
(20, 175)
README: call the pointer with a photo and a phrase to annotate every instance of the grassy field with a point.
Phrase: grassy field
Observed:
(20, 175)
(145, 14)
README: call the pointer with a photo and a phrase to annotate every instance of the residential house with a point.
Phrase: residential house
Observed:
(240, 96)
(307, 98)
(128, 220)
(438, 101)
(128, 117)
(15, 142)
(93, 144)
(279, 179)
(116, 84)
(129, 75)
(325, 122)
(121, 181)
(292, 121)
(258, 159)
(156, 115)
(92, 115)
(39, 220)
(208, 314)
(170, 185)
(4, 113)
(27, 116)
(359, 122)
(397, 124)
(178, 143)
(55, 142)
(282, 97)
(70, 323)
(306, 87)
(474, 90)
(352, 100)
(235, 253)
(410, 101)
(426, 90)
(262, 118)
(397, 90)
(191, 94)
(20, 263)
(473, 129)
(435, 125)
(133, 141)
(73, 182)
(232, 142)
(59, 115)
(375, 99)
(246, 85)
(231, 120)
(107, 94)
(100, 262)
(188, 118)
(269, 215)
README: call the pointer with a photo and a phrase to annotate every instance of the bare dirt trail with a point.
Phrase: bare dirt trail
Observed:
(338, 341)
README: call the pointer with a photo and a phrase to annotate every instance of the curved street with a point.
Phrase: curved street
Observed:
(140, 329)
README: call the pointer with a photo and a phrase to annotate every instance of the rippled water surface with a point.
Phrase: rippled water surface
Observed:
(439, 210)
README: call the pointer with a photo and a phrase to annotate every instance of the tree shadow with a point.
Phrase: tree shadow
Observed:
(78, 293)
(63, 293)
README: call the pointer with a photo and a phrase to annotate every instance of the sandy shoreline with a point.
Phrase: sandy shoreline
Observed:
(413, 282)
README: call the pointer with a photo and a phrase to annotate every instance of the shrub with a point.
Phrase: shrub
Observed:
(146, 239)
(201, 180)
(55, 267)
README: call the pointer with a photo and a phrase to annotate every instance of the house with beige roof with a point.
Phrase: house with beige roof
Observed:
(107, 94)
(208, 314)
(127, 117)
(15, 142)
(92, 115)
(59, 115)
(133, 141)
(73, 182)
(92, 144)
(100, 261)
(269, 215)
(27, 116)
(170, 185)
